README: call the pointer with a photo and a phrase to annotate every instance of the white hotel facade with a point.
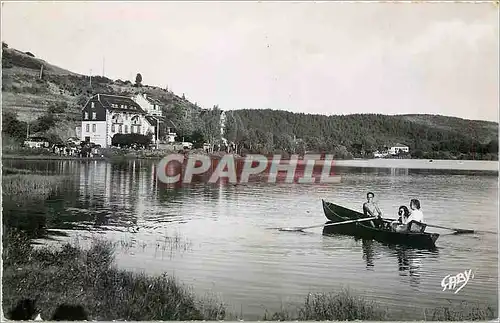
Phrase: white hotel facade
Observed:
(105, 115)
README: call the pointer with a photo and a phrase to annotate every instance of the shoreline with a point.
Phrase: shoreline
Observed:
(358, 160)
(432, 164)
(50, 157)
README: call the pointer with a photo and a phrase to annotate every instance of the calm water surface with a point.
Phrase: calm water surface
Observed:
(216, 237)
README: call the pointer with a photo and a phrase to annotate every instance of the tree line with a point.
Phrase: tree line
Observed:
(347, 136)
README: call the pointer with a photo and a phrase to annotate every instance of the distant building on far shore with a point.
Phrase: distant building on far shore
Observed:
(391, 151)
(397, 148)
(382, 154)
(36, 141)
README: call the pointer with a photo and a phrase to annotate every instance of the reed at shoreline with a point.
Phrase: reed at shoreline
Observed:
(25, 185)
(89, 277)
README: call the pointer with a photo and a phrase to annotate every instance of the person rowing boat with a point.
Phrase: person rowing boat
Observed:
(371, 209)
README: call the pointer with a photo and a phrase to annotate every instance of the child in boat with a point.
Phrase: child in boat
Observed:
(400, 224)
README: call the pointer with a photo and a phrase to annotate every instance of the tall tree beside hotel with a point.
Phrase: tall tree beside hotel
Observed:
(138, 79)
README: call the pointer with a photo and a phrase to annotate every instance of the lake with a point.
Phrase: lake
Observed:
(216, 238)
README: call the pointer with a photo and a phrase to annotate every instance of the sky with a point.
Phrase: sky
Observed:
(327, 58)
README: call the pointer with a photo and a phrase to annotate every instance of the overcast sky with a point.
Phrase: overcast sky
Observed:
(328, 58)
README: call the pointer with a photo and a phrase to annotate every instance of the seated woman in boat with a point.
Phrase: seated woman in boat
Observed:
(416, 219)
(371, 209)
(400, 224)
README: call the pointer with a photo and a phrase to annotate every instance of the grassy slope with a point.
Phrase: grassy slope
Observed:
(24, 93)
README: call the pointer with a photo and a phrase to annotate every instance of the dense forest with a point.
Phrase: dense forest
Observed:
(359, 135)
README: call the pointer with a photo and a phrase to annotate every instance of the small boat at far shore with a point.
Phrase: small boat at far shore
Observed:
(336, 213)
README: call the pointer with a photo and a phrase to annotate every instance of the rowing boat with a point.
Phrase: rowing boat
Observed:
(365, 230)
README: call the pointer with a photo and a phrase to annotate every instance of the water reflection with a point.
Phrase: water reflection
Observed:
(403, 171)
(368, 253)
(409, 264)
(406, 261)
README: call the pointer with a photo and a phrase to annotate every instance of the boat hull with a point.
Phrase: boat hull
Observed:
(336, 213)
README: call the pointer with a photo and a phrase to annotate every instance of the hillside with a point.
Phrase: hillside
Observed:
(52, 105)
(63, 93)
(426, 135)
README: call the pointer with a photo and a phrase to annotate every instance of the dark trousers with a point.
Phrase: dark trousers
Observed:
(379, 223)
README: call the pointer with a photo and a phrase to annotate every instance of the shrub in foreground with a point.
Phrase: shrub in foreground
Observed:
(342, 306)
(73, 275)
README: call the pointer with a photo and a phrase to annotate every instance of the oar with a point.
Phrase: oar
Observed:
(326, 225)
(457, 231)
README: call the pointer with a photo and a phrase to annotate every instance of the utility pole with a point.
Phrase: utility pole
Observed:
(157, 132)
(90, 77)
(28, 127)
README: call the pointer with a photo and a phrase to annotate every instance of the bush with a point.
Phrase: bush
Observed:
(58, 107)
(12, 126)
(44, 123)
(89, 277)
(15, 59)
(127, 140)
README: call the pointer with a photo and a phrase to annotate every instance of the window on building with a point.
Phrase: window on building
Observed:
(138, 129)
(126, 129)
(92, 105)
(120, 129)
(86, 116)
(112, 128)
(94, 115)
(87, 128)
(93, 127)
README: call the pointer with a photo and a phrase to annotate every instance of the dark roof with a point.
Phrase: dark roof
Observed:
(107, 100)
(152, 100)
(37, 138)
(152, 119)
(170, 123)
